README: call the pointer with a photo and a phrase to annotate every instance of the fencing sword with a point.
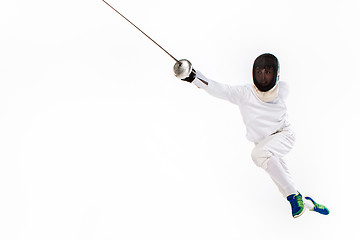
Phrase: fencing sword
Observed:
(182, 68)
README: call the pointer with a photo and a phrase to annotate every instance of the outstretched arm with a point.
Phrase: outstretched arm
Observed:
(216, 89)
(183, 69)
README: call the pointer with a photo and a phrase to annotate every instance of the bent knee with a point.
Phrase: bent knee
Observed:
(260, 157)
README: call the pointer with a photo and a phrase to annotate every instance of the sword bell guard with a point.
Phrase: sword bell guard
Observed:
(182, 68)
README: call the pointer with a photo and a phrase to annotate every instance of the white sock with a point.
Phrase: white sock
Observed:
(308, 204)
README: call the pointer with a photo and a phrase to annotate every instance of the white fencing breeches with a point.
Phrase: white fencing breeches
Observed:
(269, 153)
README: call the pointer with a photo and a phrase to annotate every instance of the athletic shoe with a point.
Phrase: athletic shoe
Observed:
(318, 207)
(297, 204)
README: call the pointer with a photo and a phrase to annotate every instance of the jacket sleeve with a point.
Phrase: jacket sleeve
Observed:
(226, 92)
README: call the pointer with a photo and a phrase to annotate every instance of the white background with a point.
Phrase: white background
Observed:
(98, 139)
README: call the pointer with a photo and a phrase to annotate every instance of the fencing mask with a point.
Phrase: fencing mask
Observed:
(266, 71)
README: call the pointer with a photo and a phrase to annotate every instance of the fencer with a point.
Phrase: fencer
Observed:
(264, 113)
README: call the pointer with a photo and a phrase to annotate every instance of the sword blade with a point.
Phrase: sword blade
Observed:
(141, 31)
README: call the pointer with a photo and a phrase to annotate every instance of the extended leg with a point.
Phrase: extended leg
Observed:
(280, 176)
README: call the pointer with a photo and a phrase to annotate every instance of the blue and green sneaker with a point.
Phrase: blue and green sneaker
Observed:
(297, 204)
(318, 207)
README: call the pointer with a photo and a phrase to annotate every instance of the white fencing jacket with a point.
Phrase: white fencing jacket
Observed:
(261, 118)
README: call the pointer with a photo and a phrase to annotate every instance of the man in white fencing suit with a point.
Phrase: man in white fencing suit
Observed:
(263, 108)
